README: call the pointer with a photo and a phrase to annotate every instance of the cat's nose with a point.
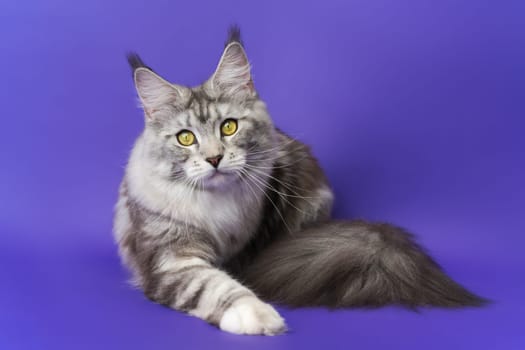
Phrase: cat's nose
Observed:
(214, 160)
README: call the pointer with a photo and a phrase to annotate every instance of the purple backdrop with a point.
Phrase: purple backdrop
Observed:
(414, 108)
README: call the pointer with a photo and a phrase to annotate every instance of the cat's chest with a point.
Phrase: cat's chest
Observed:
(230, 217)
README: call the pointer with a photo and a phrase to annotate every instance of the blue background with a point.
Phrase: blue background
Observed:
(415, 109)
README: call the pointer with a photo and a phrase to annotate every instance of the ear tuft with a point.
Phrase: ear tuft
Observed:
(135, 62)
(234, 35)
(233, 74)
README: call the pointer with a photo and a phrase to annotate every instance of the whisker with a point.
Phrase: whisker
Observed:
(276, 147)
(286, 165)
(282, 195)
(287, 185)
(271, 201)
(273, 158)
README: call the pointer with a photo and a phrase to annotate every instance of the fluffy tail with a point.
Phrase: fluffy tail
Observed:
(342, 264)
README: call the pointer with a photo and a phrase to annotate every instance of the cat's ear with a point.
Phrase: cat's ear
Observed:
(154, 92)
(233, 74)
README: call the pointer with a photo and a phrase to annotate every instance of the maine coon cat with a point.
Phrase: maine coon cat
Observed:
(220, 212)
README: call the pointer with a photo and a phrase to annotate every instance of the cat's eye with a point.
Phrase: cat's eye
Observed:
(186, 138)
(229, 127)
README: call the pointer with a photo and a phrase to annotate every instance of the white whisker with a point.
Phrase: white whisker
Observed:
(271, 201)
(282, 195)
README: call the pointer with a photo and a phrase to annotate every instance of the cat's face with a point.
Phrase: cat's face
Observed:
(212, 144)
(212, 136)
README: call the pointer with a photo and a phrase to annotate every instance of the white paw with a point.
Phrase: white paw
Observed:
(249, 315)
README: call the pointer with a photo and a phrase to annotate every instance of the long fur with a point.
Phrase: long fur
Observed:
(220, 241)
(353, 264)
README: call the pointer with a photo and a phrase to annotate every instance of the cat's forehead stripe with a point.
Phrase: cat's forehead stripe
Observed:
(205, 111)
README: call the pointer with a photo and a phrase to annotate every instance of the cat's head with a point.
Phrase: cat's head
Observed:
(209, 136)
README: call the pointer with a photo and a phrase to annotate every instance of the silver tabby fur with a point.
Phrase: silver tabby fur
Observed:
(220, 243)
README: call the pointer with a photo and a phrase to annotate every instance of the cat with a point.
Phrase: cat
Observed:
(219, 212)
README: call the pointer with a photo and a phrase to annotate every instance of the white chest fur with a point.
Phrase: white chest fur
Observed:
(231, 216)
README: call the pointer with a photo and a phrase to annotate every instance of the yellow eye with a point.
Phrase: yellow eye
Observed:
(229, 127)
(186, 138)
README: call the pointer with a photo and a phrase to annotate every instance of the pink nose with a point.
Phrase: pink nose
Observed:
(214, 161)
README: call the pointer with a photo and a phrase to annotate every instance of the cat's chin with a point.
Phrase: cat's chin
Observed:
(218, 180)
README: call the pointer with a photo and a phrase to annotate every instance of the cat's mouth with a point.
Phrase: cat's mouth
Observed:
(216, 174)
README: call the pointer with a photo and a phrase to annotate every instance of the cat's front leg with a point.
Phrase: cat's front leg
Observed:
(193, 285)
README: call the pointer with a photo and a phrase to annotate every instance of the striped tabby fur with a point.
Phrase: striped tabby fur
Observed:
(213, 242)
